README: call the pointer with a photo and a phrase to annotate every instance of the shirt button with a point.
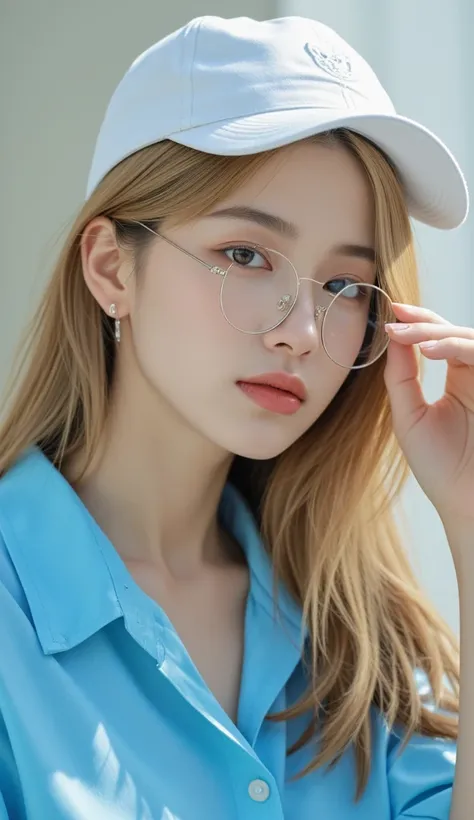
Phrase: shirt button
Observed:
(259, 790)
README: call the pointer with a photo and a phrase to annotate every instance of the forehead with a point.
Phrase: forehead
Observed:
(322, 189)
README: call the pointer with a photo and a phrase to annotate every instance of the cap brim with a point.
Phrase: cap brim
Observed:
(435, 188)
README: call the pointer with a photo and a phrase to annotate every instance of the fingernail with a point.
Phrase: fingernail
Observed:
(407, 308)
(426, 345)
(396, 326)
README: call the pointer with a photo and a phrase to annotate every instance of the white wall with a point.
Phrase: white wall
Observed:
(59, 62)
(423, 54)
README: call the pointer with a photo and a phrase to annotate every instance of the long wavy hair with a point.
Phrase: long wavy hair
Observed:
(324, 506)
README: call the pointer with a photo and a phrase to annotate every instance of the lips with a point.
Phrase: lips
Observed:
(281, 381)
(276, 392)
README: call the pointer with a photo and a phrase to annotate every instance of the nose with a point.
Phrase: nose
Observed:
(300, 331)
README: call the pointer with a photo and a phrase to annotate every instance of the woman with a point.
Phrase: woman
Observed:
(206, 610)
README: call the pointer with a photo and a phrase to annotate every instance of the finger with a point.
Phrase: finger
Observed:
(407, 401)
(451, 349)
(416, 332)
(414, 313)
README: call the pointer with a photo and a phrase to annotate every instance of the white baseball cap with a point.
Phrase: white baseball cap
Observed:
(241, 86)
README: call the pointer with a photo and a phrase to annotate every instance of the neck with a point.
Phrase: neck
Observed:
(155, 489)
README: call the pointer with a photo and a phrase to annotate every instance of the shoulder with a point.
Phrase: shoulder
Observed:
(17, 532)
(20, 672)
(35, 520)
(18, 634)
(420, 771)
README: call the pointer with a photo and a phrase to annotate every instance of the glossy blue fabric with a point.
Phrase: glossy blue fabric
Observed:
(105, 717)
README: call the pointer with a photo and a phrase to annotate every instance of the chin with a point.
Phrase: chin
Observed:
(262, 449)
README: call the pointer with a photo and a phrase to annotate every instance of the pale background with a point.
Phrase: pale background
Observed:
(60, 61)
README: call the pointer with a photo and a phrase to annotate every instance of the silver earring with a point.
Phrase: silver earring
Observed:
(113, 312)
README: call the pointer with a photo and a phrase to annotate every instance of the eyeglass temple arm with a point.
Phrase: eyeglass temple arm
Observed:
(213, 268)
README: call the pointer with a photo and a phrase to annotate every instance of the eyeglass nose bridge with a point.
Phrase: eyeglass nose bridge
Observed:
(284, 300)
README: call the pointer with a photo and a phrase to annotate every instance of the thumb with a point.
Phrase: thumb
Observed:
(404, 389)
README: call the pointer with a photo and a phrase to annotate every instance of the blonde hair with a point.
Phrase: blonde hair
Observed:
(324, 505)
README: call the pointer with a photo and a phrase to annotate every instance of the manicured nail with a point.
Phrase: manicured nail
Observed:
(407, 308)
(427, 345)
(396, 327)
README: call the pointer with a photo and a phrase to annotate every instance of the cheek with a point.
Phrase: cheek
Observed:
(190, 357)
(177, 324)
(327, 380)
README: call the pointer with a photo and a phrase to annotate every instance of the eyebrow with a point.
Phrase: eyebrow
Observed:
(288, 229)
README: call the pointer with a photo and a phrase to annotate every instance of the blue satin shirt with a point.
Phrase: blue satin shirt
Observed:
(103, 715)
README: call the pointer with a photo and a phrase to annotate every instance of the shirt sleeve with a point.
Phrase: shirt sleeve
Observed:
(3, 810)
(421, 778)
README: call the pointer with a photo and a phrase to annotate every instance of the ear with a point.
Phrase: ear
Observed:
(106, 266)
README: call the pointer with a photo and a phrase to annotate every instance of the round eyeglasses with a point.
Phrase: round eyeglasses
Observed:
(260, 287)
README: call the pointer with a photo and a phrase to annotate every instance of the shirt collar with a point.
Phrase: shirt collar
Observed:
(67, 566)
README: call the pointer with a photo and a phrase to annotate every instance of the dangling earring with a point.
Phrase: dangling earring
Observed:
(113, 312)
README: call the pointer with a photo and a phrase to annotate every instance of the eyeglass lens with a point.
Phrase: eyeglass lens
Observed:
(261, 287)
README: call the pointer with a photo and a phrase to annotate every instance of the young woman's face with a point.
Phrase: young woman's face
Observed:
(194, 359)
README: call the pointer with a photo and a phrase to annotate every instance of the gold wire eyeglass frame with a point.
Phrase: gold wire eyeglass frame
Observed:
(320, 311)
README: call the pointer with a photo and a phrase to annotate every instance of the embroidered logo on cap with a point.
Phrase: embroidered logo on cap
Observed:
(338, 65)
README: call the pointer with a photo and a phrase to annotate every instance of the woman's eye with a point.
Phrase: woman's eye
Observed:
(245, 257)
(352, 289)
